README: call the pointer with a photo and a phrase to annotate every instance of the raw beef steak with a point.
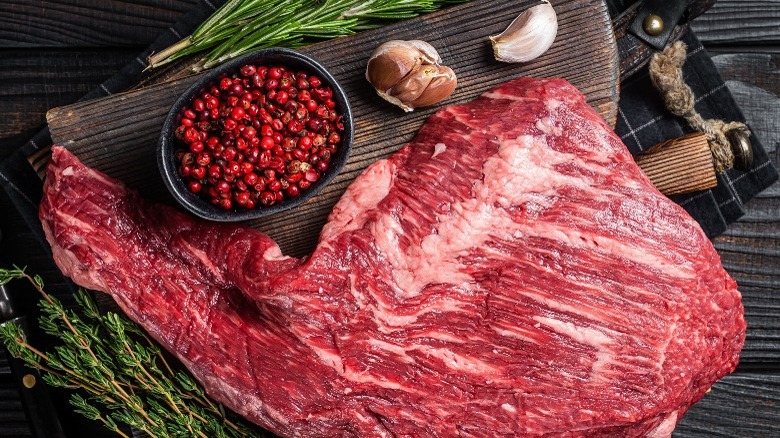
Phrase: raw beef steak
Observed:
(509, 272)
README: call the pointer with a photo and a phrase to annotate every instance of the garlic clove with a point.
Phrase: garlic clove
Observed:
(442, 84)
(413, 85)
(408, 74)
(427, 51)
(387, 69)
(528, 36)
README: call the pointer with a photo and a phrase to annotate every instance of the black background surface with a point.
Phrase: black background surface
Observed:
(53, 53)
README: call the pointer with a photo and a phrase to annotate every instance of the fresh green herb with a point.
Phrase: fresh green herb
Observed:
(241, 26)
(119, 369)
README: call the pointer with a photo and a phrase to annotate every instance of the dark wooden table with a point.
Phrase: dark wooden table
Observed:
(51, 53)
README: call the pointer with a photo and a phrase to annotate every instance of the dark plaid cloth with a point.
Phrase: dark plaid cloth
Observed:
(642, 122)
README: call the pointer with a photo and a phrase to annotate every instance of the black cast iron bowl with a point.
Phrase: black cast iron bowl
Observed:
(166, 147)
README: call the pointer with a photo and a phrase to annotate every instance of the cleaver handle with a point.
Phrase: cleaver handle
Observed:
(680, 165)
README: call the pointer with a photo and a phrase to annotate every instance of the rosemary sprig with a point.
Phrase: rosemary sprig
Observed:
(121, 373)
(241, 26)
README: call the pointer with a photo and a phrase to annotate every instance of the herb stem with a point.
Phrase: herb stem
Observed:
(156, 59)
(241, 26)
(111, 427)
(117, 389)
(70, 375)
(115, 363)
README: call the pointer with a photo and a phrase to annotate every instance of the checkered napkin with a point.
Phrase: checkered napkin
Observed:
(642, 122)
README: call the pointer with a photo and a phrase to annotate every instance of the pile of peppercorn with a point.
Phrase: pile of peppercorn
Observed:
(257, 137)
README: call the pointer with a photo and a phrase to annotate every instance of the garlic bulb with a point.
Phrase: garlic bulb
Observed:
(409, 74)
(529, 35)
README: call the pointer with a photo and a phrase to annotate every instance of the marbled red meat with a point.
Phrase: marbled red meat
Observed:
(509, 272)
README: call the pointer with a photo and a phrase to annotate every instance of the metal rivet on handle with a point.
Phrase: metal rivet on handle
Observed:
(743, 151)
(28, 381)
(653, 25)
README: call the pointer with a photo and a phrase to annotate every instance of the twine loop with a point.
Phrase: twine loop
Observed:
(666, 75)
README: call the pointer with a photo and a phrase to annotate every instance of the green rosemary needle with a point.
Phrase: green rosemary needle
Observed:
(241, 26)
(122, 375)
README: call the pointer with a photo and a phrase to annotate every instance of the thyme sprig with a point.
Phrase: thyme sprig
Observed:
(241, 26)
(122, 375)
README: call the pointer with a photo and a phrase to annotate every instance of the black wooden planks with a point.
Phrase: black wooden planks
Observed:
(86, 23)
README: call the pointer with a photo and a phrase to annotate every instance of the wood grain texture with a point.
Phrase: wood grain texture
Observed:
(740, 405)
(740, 22)
(754, 81)
(12, 417)
(86, 23)
(680, 165)
(750, 248)
(119, 134)
(32, 82)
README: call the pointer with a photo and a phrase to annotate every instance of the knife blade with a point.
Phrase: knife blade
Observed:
(38, 406)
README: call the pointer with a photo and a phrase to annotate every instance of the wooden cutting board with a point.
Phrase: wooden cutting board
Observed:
(118, 134)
